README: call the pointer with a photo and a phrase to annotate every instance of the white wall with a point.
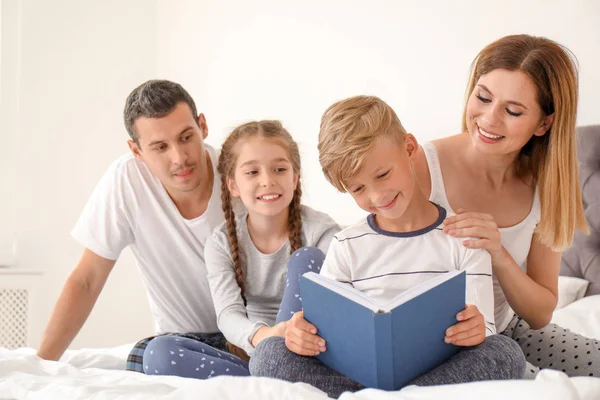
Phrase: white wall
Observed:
(284, 60)
(9, 45)
(77, 63)
(240, 60)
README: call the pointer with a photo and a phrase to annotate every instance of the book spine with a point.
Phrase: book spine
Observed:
(384, 352)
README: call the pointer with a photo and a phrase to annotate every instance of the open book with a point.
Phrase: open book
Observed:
(384, 346)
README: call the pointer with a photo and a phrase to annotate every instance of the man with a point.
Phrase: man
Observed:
(163, 200)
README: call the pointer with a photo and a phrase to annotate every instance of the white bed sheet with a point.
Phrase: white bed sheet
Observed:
(98, 374)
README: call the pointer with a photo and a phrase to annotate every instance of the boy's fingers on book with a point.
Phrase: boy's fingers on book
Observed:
(471, 340)
(463, 331)
(299, 322)
(308, 337)
(293, 347)
(469, 312)
(464, 326)
(306, 340)
(302, 347)
(475, 330)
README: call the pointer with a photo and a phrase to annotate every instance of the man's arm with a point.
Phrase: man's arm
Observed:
(75, 303)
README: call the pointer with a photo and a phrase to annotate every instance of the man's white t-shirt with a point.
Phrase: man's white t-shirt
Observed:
(130, 207)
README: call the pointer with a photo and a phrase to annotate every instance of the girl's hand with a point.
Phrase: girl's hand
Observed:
(470, 331)
(301, 337)
(478, 225)
(267, 331)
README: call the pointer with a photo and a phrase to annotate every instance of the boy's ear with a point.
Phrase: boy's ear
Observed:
(410, 144)
(135, 150)
(232, 188)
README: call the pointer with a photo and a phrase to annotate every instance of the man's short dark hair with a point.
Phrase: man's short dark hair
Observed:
(154, 99)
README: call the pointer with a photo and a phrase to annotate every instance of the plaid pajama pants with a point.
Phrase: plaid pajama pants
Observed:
(136, 355)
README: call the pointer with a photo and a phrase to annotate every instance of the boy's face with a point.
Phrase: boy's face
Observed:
(385, 184)
(173, 148)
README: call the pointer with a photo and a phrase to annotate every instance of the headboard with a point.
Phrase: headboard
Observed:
(582, 259)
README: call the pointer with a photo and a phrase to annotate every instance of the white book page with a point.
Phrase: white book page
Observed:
(344, 289)
(348, 291)
(415, 291)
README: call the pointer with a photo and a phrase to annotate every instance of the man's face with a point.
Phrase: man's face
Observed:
(173, 148)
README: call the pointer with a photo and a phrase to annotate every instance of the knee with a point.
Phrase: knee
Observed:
(156, 359)
(306, 259)
(507, 355)
(266, 358)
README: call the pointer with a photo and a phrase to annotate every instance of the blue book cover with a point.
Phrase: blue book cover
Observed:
(384, 346)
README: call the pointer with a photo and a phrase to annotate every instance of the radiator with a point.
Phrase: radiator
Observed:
(13, 317)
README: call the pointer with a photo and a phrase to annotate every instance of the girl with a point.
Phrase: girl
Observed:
(247, 255)
(514, 169)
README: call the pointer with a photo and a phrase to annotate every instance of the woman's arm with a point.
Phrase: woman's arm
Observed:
(532, 295)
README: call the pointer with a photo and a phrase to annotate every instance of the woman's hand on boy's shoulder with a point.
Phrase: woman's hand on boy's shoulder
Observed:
(482, 233)
(470, 331)
(301, 337)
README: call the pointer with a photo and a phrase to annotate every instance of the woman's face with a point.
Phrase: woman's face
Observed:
(503, 112)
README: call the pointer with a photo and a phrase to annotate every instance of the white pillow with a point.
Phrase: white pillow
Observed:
(570, 289)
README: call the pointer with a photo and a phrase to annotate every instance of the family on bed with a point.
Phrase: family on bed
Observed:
(221, 236)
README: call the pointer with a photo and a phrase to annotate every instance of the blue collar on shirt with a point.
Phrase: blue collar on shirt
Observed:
(418, 232)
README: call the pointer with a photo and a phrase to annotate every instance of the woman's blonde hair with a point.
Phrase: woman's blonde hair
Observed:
(552, 157)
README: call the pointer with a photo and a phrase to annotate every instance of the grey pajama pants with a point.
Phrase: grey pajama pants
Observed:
(498, 357)
(556, 348)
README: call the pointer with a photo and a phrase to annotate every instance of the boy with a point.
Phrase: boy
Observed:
(364, 150)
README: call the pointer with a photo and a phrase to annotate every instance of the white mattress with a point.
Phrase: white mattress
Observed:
(98, 374)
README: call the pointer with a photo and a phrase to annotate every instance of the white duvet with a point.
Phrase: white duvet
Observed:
(98, 374)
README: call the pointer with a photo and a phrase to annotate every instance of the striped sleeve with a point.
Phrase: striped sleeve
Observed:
(336, 265)
(480, 287)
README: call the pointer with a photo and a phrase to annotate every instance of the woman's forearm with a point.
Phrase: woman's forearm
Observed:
(530, 300)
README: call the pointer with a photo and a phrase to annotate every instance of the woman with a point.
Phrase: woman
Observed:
(512, 179)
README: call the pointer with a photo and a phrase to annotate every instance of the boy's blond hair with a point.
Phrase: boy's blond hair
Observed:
(349, 129)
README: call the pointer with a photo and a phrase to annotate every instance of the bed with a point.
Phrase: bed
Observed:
(99, 374)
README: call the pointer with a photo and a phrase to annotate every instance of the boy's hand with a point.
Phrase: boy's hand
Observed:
(267, 331)
(301, 337)
(470, 331)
